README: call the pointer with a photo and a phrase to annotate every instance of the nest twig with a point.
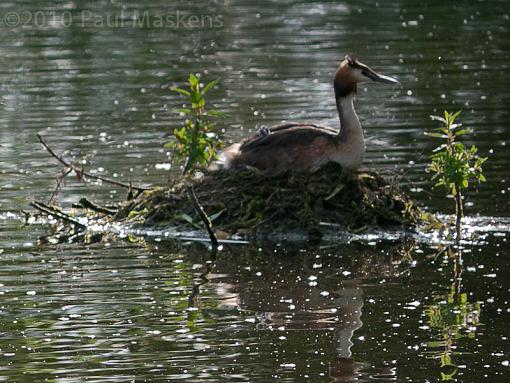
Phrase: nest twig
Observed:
(57, 213)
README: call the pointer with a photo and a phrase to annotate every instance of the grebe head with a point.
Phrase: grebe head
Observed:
(351, 72)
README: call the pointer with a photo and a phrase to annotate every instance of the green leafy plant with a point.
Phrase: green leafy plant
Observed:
(196, 141)
(454, 164)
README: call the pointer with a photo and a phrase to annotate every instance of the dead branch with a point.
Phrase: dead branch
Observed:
(81, 172)
(60, 178)
(57, 213)
(203, 216)
(85, 203)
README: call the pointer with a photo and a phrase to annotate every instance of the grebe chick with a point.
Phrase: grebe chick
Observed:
(306, 147)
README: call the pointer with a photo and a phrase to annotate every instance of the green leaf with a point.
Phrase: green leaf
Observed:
(136, 213)
(179, 90)
(446, 360)
(201, 102)
(335, 192)
(209, 86)
(194, 98)
(213, 217)
(216, 113)
(455, 115)
(180, 133)
(463, 131)
(438, 118)
(193, 80)
(188, 219)
(437, 135)
(450, 376)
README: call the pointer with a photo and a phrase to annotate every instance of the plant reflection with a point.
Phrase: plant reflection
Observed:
(454, 316)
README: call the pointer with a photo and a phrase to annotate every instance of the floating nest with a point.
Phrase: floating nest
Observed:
(249, 203)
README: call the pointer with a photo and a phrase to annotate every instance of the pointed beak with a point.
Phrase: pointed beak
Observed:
(377, 77)
(385, 79)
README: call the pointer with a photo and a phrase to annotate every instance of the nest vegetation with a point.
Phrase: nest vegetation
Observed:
(249, 202)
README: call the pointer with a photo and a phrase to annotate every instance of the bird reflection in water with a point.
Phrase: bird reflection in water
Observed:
(303, 296)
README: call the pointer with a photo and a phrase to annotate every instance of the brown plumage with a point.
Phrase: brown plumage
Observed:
(306, 147)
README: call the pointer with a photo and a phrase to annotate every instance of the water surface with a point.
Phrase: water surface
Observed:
(97, 87)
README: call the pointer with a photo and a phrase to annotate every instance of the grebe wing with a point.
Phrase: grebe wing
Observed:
(285, 135)
(290, 125)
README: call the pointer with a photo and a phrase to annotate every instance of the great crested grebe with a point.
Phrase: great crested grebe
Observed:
(306, 147)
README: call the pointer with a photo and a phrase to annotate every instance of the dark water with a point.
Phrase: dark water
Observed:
(96, 84)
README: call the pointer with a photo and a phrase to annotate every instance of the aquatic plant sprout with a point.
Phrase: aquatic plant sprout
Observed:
(453, 164)
(196, 141)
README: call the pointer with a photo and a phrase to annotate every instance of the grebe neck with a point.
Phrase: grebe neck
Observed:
(350, 126)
